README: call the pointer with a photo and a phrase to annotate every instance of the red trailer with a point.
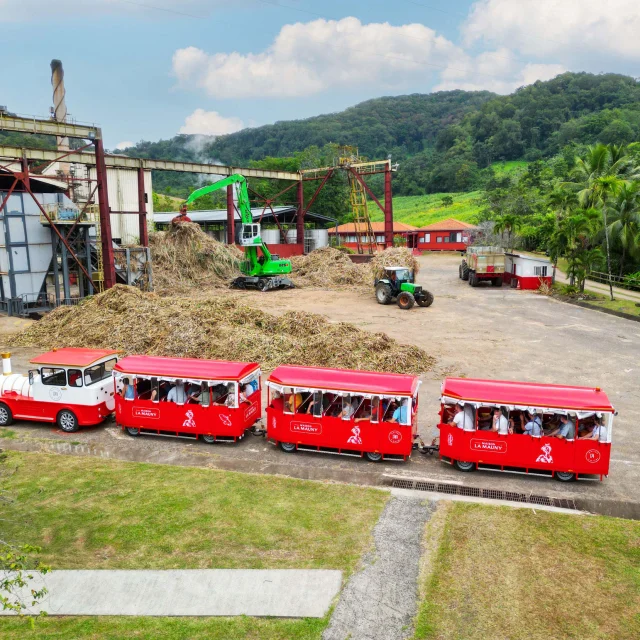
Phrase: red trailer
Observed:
(187, 397)
(561, 431)
(343, 412)
(70, 387)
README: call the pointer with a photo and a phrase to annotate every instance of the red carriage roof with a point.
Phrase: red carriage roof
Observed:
(345, 380)
(193, 368)
(73, 357)
(528, 394)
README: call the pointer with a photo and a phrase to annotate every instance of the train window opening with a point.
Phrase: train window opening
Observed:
(389, 405)
(289, 400)
(143, 389)
(317, 407)
(53, 376)
(363, 412)
(333, 403)
(154, 396)
(75, 377)
(375, 410)
(304, 405)
(204, 398)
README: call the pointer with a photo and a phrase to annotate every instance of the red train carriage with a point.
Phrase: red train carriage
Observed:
(340, 411)
(190, 398)
(563, 431)
(70, 387)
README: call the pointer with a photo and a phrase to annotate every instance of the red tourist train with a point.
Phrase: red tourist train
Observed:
(339, 411)
(187, 397)
(564, 431)
(557, 430)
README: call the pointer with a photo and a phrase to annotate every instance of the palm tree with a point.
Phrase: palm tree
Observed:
(599, 176)
(626, 225)
(507, 223)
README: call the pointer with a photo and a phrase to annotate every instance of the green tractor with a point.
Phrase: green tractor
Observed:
(397, 283)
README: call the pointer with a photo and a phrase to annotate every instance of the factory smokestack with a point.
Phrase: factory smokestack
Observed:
(59, 106)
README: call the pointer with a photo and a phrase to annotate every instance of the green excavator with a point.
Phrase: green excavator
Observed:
(263, 272)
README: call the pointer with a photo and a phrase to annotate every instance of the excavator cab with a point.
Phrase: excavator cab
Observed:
(248, 235)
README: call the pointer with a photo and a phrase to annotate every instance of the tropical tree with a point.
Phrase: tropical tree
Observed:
(508, 223)
(625, 228)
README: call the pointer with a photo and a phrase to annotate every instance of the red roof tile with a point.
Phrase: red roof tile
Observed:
(378, 227)
(450, 224)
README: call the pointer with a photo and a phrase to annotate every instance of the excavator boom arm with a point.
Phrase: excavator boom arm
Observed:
(244, 207)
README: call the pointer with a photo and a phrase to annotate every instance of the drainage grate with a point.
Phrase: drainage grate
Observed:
(493, 494)
(515, 497)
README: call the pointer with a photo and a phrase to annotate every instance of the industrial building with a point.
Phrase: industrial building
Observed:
(75, 219)
(279, 232)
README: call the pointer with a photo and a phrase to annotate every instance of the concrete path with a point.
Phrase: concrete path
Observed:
(289, 593)
(603, 289)
(379, 602)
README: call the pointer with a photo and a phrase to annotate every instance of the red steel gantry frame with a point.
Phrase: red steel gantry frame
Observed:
(102, 161)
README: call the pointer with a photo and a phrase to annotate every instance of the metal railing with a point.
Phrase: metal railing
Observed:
(617, 281)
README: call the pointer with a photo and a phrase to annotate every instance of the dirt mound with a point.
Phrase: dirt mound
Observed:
(219, 327)
(185, 257)
(394, 257)
(328, 268)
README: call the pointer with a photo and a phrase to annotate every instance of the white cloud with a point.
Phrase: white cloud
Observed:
(125, 145)
(497, 71)
(210, 123)
(307, 58)
(575, 28)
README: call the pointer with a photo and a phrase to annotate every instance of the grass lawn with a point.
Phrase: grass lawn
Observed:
(140, 628)
(508, 168)
(423, 210)
(626, 306)
(526, 575)
(99, 514)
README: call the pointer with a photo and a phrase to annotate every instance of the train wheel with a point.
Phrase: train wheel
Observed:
(209, 439)
(6, 417)
(374, 456)
(289, 447)
(564, 476)
(465, 466)
(67, 421)
(133, 432)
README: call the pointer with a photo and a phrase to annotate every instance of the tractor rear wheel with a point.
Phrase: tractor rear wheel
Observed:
(406, 300)
(426, 300)
(465, 270)
(383, 293)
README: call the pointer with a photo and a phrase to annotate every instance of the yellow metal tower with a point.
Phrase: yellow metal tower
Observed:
(365, 238)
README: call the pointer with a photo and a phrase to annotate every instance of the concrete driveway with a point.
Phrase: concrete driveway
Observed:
(477, 332)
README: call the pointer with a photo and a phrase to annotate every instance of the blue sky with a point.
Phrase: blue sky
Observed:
(145, 70)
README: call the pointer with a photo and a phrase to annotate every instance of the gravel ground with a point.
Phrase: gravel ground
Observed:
(379, 602)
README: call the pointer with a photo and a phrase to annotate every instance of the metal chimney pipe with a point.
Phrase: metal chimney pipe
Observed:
(59, 106)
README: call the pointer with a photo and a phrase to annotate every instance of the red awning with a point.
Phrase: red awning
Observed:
(73, 357)
(528, 394)
(345, 380)
(192, 368)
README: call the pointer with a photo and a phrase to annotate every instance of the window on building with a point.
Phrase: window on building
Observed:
(447, 238)
(425, 238)
(453, 236)
(379, 238)
(540, 271)
(459, 236)
(439, 239)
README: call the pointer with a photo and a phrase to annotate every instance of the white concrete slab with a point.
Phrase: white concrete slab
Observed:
(288, 593)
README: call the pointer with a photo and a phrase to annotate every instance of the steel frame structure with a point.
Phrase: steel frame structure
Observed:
(102, 161)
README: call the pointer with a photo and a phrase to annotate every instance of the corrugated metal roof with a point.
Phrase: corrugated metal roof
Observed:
(450, 224)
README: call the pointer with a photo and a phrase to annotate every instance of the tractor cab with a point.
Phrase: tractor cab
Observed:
(398, 283)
